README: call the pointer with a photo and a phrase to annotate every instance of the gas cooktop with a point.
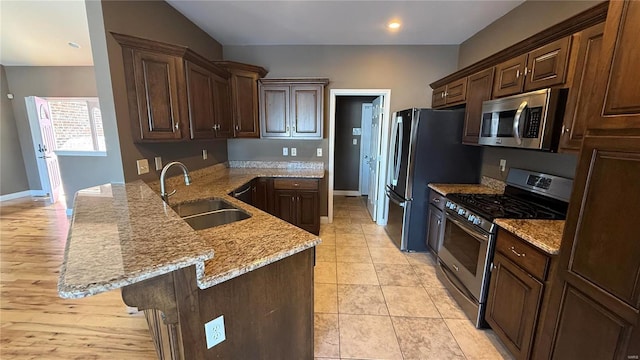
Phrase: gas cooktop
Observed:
(492, 206)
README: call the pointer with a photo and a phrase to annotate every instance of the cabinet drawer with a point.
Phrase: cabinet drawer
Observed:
(294, 184)
(438, 200)
(522, 254)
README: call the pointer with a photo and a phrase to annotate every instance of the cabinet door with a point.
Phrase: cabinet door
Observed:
(244, 86)
(547, 65)
(285, 205)
(513, 305)
(615, 100)
(437, 98)
(260, 194)
(509, 78)
(596, 291)
(201, 101)
(274, 111)
(308, 215)
(435, 229)
(588, 44)
(222, 107)
(306, 111)
(456, 91)
(479, 89)
(156, 90)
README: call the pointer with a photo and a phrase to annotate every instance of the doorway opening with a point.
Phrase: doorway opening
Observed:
(355, 148)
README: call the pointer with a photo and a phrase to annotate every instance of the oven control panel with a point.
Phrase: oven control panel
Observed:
(468, 216)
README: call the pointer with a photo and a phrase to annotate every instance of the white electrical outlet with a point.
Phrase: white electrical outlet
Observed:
(158, 161)
(204, 154)
(503, 165)
(214, 331)
(285, 151)
(319, 152)
(355, 141)
(294, 152)
(143, 166)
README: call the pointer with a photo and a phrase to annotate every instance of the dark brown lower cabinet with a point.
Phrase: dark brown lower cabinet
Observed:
(260, 194)
(517, 292)
(297, 202)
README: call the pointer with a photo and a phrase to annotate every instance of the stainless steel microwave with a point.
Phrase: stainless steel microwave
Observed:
(531, 120)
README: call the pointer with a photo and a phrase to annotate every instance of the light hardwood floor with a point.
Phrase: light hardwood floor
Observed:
(35, 322)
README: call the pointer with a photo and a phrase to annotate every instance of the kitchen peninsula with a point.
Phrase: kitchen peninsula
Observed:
(257, 273)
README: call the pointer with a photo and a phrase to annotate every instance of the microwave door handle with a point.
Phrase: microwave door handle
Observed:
(516, 122)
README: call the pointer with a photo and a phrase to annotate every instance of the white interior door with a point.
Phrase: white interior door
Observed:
(374, 156)
(365, 147)
(44, 141)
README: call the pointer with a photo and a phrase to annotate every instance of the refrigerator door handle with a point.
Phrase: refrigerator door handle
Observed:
(398, 157)
(395, 199)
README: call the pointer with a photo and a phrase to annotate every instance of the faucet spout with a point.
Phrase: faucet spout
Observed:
(163, 174)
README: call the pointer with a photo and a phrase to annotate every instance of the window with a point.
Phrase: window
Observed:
(77, 124)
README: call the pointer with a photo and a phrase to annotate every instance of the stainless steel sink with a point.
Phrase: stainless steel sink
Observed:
(203, 214)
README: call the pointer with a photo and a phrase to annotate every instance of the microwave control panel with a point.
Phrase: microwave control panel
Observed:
(532, 126)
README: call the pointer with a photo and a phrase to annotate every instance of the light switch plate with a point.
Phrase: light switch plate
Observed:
(294, 152)
(214, 331)
(503, 165)
(285, 151)
(319, 152)
(143, 166)
(158, 161)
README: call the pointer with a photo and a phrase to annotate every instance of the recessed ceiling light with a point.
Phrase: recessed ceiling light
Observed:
(394, 25)
(74, 45)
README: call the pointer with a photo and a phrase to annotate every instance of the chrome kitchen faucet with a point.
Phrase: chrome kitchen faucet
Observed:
(187, 179)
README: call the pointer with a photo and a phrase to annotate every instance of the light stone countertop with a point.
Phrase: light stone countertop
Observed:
(123, 234)
(445, 189)
(545, 235)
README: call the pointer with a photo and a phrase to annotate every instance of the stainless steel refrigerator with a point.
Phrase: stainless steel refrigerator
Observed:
(425, 148)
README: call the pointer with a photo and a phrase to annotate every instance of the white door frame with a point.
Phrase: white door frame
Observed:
(384, 142)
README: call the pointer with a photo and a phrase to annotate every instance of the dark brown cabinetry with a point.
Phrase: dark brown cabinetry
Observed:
(244, 97)
(260, 194)
(596, 292)
(479, 87)
(540, 68)
(297, 202)
(292, 108)
(435, 220)
(172, 90)
(451, 94)
(586, 48)
(515, 292)
(153, 81)
(208, 102)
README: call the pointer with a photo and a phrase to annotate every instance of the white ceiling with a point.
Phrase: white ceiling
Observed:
(312, 22)
(36, 33)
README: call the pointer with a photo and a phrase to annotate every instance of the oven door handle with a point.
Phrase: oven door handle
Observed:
(481, 237)
(516, 122)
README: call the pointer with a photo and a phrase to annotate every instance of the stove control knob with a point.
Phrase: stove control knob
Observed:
(477, 221)
(448, 204)
(461, 211)
(472, 218)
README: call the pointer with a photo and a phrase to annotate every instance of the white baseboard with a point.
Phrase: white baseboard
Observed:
(346, 192)
(38, 193)
(17, 195)
(324, 219)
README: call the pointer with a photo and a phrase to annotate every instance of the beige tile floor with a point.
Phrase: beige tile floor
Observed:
(373, 301)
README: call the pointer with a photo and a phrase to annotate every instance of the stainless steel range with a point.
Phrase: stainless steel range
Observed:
(469, 232)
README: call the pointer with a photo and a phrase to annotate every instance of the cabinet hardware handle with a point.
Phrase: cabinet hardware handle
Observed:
(565, 129)
(287, 129)
(442, 95)
(177, 125)
(238, 127)
(439, 222)
(456, 268)
(436, 200)
(492, 267)
(526, 71)
(293, 199)
(513, 250)
(517, 73)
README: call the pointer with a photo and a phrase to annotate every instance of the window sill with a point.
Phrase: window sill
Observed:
(80, 153)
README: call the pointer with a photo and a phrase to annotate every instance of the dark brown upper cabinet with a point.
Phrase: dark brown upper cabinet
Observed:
(244, 97)
(585, 51)
(174, 94)
(543, 67)
(292, 108)
(451, 94)
(479, 87)
(155, 106)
